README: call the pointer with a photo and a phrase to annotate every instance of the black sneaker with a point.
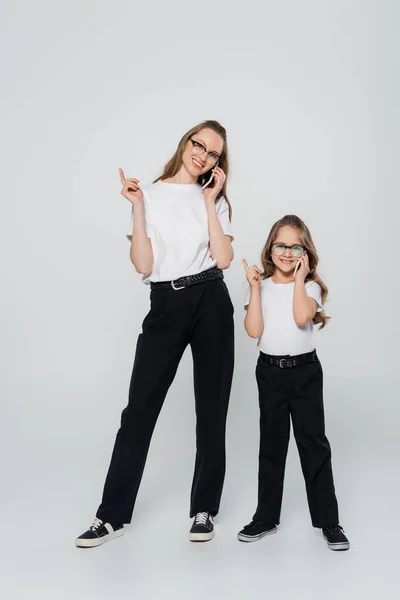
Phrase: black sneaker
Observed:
(256, 530)
(203, 528)
(335, 538)
(99, 533)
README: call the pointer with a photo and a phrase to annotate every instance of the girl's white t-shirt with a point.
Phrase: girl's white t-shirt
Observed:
(177, 225)
(281, 335)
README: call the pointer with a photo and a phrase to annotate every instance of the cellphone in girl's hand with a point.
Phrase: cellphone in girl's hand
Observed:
(296, 267)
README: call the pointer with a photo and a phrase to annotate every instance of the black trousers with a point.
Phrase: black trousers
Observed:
(201, 316)
(295, 393)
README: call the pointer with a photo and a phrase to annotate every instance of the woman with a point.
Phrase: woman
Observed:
(180, 242)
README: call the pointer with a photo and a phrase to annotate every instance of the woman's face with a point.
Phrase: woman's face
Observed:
(202, 152)
(285, 259)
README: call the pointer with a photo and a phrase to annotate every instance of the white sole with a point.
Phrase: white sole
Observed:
(338, 546)
(93, 543)
(201, 537)
(255, 538)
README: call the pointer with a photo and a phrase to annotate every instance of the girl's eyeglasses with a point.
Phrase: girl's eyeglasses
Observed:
(198, 149)
(296, 251)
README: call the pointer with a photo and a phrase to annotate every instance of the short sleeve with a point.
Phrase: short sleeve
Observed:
(314, 291)
(146, 218)
(222, 209)
(247, 296)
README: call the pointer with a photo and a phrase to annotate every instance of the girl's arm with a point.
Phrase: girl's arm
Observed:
(304, 307)
(254, 321)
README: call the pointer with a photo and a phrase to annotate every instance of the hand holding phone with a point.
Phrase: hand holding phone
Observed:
(212, 176)
(303, 262)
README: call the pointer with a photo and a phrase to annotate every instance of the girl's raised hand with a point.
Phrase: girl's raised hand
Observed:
(131, 190)
(253, 274)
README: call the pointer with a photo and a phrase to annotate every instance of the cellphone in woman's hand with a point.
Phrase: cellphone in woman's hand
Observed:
(210, 180)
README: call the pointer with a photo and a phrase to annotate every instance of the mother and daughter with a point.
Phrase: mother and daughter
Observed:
(181, 242)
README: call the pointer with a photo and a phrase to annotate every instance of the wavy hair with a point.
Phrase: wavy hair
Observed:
(174, 164)
(306, 240)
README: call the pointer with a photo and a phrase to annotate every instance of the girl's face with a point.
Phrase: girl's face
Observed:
(202, 152)
(285, 259)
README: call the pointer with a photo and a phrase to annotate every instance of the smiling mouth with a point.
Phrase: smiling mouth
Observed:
(286, 261)
(197, 163)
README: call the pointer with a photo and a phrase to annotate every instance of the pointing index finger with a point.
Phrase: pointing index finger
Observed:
(122, 176)
(246, 266)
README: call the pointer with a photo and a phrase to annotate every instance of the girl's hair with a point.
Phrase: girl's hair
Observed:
(307, 242)
(175, 163)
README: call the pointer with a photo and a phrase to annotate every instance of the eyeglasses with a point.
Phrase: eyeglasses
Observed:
(296, 251)
(198, 149)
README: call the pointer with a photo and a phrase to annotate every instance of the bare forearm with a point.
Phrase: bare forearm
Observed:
(141, 252)
(220, 245)
(304, 307)
(254, 322)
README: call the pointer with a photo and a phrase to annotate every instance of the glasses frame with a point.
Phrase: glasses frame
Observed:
(288, 248)
(211, 155)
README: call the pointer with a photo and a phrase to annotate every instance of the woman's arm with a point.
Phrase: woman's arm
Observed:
(220, 244)
(141, 251)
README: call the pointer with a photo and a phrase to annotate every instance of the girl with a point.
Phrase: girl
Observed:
(283, 301)
(180, 242)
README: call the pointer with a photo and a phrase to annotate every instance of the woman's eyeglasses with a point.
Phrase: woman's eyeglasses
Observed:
(198, 149)
(296, 251)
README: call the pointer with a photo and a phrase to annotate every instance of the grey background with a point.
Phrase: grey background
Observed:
(309, 94)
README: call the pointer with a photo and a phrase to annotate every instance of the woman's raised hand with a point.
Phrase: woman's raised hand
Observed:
(131, 190)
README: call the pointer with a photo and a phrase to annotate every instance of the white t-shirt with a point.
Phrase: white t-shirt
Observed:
(177, 224)
(281, 335)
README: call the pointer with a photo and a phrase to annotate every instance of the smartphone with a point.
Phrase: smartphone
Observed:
(296, 267)
(209, 181)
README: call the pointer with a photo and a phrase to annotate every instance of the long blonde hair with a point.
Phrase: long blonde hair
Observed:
(175, 163)
(307, 241)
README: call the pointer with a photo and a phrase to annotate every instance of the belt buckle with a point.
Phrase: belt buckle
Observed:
(177, 288)
(280, 362)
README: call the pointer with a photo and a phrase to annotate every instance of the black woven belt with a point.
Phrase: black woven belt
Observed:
(288, 362)
(189, 280)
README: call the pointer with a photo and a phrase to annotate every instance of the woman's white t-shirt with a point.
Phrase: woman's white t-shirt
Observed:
(281, 335)
(177, 225)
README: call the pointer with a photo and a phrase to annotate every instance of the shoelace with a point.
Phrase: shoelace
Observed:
(96, 524)
(334, 529)
(201, 518)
